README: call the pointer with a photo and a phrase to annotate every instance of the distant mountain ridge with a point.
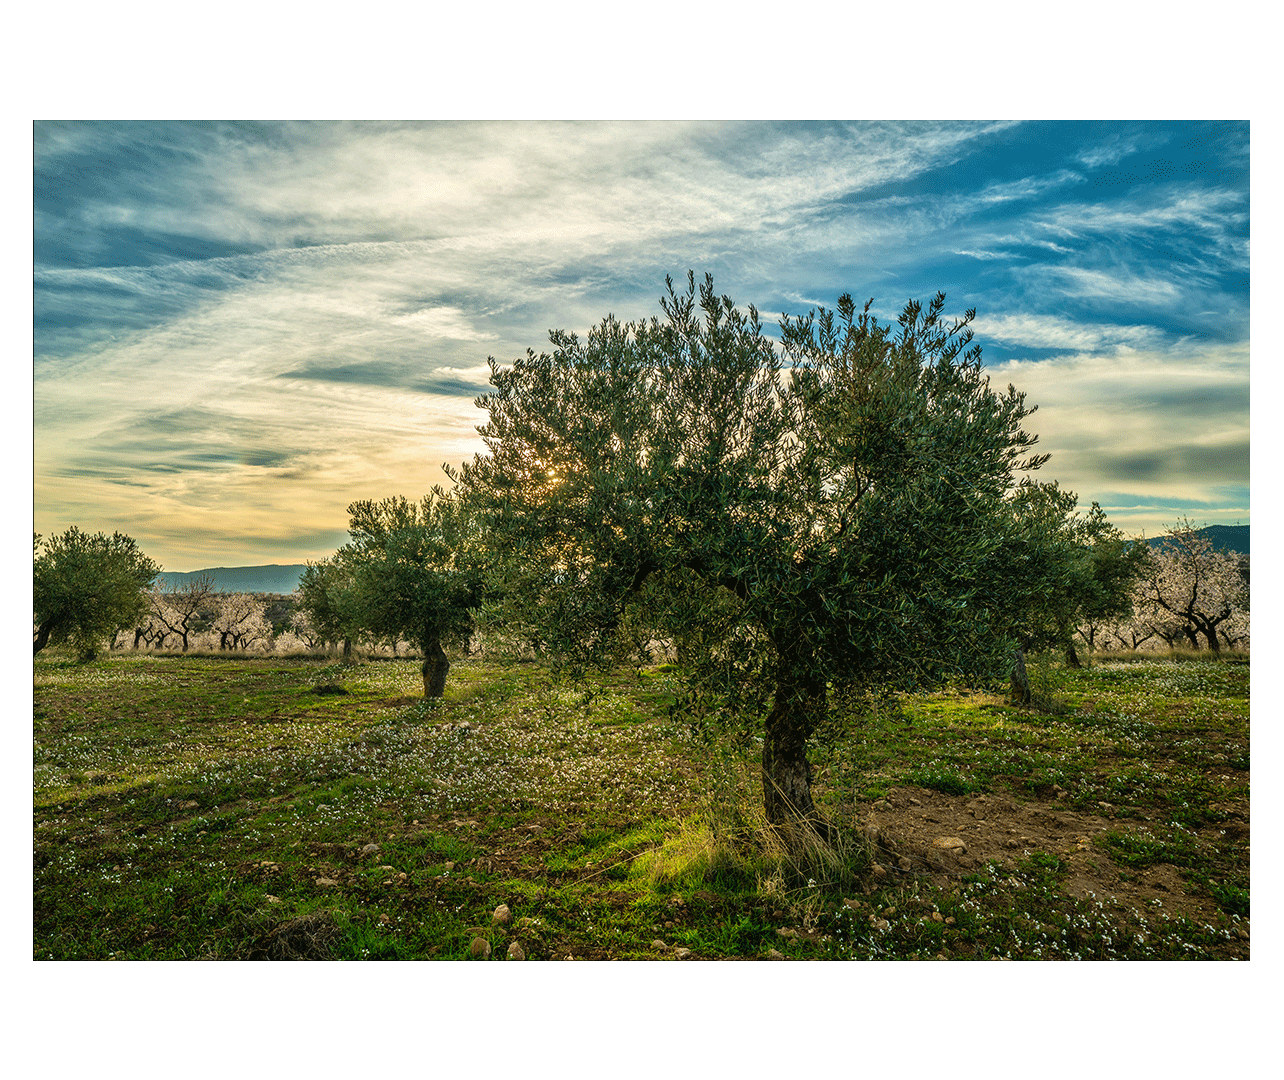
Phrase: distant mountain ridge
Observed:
(274, 578)
(284, 579)
(1224, 537)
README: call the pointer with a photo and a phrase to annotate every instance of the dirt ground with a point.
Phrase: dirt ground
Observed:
(946, 836)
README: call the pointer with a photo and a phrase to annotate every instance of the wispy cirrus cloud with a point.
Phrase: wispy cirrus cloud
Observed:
(1066, 335)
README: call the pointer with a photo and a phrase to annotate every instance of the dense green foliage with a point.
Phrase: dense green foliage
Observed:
(853, 521)
(86, 588)
(410, 572)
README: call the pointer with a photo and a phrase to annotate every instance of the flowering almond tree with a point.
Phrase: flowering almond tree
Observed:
(184, 611)
(1193, 585)
(849, 521)
(241, 622)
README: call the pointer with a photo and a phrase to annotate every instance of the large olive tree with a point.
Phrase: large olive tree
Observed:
(853, 513)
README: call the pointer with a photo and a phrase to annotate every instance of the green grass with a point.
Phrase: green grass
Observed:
(192, 807)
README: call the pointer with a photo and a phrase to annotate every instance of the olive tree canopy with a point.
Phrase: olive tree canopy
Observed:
(851, 518)
(408, 573)
(86, 588)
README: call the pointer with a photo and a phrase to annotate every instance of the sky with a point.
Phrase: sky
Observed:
(242, 328)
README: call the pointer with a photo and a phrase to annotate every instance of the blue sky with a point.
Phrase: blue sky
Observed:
(242, 328)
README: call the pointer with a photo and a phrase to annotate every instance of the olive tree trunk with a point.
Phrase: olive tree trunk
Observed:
(1020, 681)
(435, 668)
(786, 772)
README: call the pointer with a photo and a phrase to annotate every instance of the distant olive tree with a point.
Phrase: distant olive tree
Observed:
(324, 612)
(87, 588)
(1077, 568)
(409, 573)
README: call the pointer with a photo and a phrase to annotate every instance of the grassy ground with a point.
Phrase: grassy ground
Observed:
(230, 808)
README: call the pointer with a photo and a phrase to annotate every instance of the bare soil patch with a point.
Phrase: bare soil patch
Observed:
(944, 837)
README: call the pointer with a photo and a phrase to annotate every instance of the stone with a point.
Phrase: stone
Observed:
(326, 883)
(904, 863)
(516, 952)
(877, 870)
(370, 849)
(681, 954)
(480, 949)
(502, 915)
(950, 843)
(774, 954)
(658, 944)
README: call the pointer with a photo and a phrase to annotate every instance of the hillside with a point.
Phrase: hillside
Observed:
(253, 579)
(1224, 537)
(284, 579)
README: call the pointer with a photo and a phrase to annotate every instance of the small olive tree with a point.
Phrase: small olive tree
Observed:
(409, 573)
(324, 602)
(1074, 569)
(853, 514)
(87, 588)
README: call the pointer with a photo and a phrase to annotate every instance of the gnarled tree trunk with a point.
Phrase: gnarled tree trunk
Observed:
(786, 773)
(1020, 681)
(435, 669)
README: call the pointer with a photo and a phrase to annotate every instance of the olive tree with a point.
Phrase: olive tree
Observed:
(846, 520)
(323, 605)
(1075, 569)
(87, 588)
(408, 573)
